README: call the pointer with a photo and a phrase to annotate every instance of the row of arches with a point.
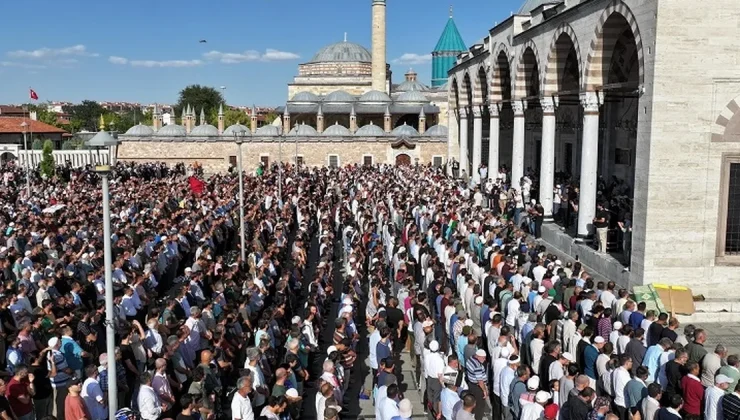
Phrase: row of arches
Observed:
(564, 71)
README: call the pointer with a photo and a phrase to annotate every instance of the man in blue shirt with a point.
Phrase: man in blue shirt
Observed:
(590, 354)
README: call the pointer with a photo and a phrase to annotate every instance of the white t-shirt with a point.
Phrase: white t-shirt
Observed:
(241, 408)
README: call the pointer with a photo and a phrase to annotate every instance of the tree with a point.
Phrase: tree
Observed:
(47, 160)
(231, 116)
(270, 117)
(85, 115)
(199, 97)
(43, 114)
(37, 144)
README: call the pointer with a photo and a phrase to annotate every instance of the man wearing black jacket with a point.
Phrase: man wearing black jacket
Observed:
(674, 373)
(578, 408)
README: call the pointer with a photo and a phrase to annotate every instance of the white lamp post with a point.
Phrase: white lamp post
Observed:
(101, 140)
(24, 127)
(239, 139)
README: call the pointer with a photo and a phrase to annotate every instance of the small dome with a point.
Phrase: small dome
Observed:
(172, 130)
(305, 97)
(237, 128)
(205, 130)
(268, 130)
(336, 130)
(412, 96)
(342, 51)
(339, 96)
(370, 130)
(404, 130)
(375, 96)
(436, 131)
(411, 85)
(140, 130)
(303, 130)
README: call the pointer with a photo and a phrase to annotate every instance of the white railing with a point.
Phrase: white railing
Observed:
(77, 158)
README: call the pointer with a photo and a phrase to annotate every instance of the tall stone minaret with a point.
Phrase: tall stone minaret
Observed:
(378, 39)
(220, 118)
(253, 120)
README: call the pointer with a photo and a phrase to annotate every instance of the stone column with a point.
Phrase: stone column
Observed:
(286, 121)
(517, 148)
(493, 147)
(220, 119)
(320, 120)
(477, 141)
(450, 139)
(253, 120)
(547, 158)
(464, 141)
(589, 163)
(422, 121)
(387, 120)
(353, 120)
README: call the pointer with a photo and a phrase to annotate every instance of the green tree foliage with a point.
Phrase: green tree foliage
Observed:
(47, 160)
(199, 97)
(85, 115)
(270, 117)
(231, 116)
(37, 144)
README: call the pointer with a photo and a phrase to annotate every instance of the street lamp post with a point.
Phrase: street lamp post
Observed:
(24, 126)
(280, 166)
(238, 138)
(104, 139)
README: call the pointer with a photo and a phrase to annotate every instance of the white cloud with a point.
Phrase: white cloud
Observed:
(411, 58)
(154, 63)
(165, 63)
(250, 56)
(44, 53)
(117, 60)
(21, 65)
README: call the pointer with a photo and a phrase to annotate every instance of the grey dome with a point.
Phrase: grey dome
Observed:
(411, 85)
(530, 5)
(140, 130)
(305, 97)
(172, 130)
(268, 130)
(303, 130)
(412, 96)
(237, 128)
(404, 130)
(205, 130)
(436, 131)
(336, 130)
(375, 96)
(339, 96)
(370, 130)
(342, 51)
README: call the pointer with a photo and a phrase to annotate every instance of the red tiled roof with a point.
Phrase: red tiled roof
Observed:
(9, 109)
(13, 125)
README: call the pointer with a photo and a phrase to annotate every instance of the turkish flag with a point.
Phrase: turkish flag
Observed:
(196, 185)
(34, 96)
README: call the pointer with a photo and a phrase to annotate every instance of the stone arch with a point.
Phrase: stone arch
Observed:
(466, 93)
(501, 77)
(557, 58)
(601, 48)
(480, 93)
(7, 157)
(455, 92)
(528, 61)
(727, 126)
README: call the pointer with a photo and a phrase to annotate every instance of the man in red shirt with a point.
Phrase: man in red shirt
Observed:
(693, 392)
(20, 392)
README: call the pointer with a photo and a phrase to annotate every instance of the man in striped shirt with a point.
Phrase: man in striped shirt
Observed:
(476, 374)
(60, 381)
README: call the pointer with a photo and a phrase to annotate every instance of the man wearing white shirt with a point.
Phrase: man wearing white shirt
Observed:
(241, 407)
(150, 407)
(198, 330)
(92, 394)
(713, 397)
(389, 407)
(128, 304)
(620, 377)
(607, 296)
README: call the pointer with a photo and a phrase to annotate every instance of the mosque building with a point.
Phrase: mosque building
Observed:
(342, 108)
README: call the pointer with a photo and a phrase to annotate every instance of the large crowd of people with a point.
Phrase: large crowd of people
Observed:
(345, 271)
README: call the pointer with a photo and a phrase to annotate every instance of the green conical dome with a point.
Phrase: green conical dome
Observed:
(450, 44)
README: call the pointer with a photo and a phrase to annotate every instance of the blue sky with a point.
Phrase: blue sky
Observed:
(146, 51)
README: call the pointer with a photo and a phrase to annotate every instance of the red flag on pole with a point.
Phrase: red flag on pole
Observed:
(196, 185)
(33, 94)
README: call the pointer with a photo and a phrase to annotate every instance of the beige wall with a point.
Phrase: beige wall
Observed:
(215, 156)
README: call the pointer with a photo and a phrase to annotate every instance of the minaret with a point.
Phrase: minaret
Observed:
(353, 120)
(253, 120)
(156, 121)
(202, 116)
(387, 127)
(422, 121)
(220, 118)
(189, 119)
(320, 120)
(286, 120)
(378, 40)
